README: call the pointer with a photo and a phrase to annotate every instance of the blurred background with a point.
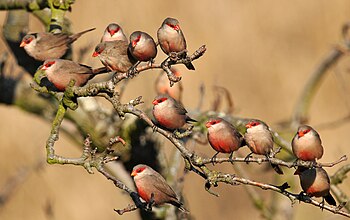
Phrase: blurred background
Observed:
(263, 52)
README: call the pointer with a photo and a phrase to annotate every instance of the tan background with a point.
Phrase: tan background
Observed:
(262, 51)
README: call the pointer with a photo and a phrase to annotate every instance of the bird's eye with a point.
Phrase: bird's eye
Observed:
(306, 131)
(48, 64)
(139, 170)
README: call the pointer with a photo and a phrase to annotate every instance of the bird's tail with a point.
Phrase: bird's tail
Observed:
(188, 119)
(180, 206)
(190, 66)
(330, 200)
(277, 168)
(74, 37)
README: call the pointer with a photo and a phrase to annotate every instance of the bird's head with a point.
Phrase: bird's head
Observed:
(172, 23)
(48, 64)
(99, 49)
(213, 122)
(303, 130)
(135, 38)
(113, 28)
(160, 99)
(27, 40)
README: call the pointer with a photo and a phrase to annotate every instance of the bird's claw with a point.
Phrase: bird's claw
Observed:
(214, 157)
(246, 159)
(154, 128)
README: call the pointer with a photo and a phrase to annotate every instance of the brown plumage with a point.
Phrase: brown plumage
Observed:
(315, 182)
(114, 55)
(42, 46)
(60, 72)
(169, 113)
(260, 140)
(142, 46)
(171, 38)
(149, 181)
(223, 136)
(306, 144)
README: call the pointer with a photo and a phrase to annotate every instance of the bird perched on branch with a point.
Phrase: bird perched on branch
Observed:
(171, 39)
(170, 113)
(306, 144)
(315, 182)
(114, 55)
(113, 32)
(223, 136)
(142, 46)
(42, 46)
(153, 188)
(260, 140)
(60, 72)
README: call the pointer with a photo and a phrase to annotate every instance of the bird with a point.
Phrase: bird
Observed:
(223, 136)
(113, 32)
(169, 113)
(162, 85)
(259, 139)
(149, 182)
(307, 144)
(60, 72)
(114, 55)
(42, 46)
(315, 182)
(171, 39)
(142, 46)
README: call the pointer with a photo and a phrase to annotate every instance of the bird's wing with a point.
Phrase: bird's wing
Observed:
(179, 108)
(76, 68)
(161, 185)
(49, 41)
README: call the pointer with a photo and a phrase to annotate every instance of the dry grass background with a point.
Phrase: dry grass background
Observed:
(262, 51)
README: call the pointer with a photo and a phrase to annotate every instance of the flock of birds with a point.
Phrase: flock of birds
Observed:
(118, 54)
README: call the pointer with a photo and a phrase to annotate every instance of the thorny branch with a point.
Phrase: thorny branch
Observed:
(90, 159)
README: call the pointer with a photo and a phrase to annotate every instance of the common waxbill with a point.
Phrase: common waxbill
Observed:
(171, 38)
(315, 182)
(60, 72)
(42, 46)
(142, 46)
(169, 113)
(306, 144)
(113, 32)
(114, 55)
(149, 181)
(259, 140)
(223, 136)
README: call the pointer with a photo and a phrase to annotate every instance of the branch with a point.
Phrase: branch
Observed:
(301, 110)
(29, 5)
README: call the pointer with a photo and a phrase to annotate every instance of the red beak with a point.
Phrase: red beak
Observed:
(134, 173)
(155, 102)
(95, 54)
(300, 134)
(207, 124)
(22, 44)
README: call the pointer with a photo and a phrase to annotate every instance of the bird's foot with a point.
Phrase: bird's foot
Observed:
(150, 203)
(321, 205)
(230, 158)
(246, 159)
(154, 128)
(212, 160)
